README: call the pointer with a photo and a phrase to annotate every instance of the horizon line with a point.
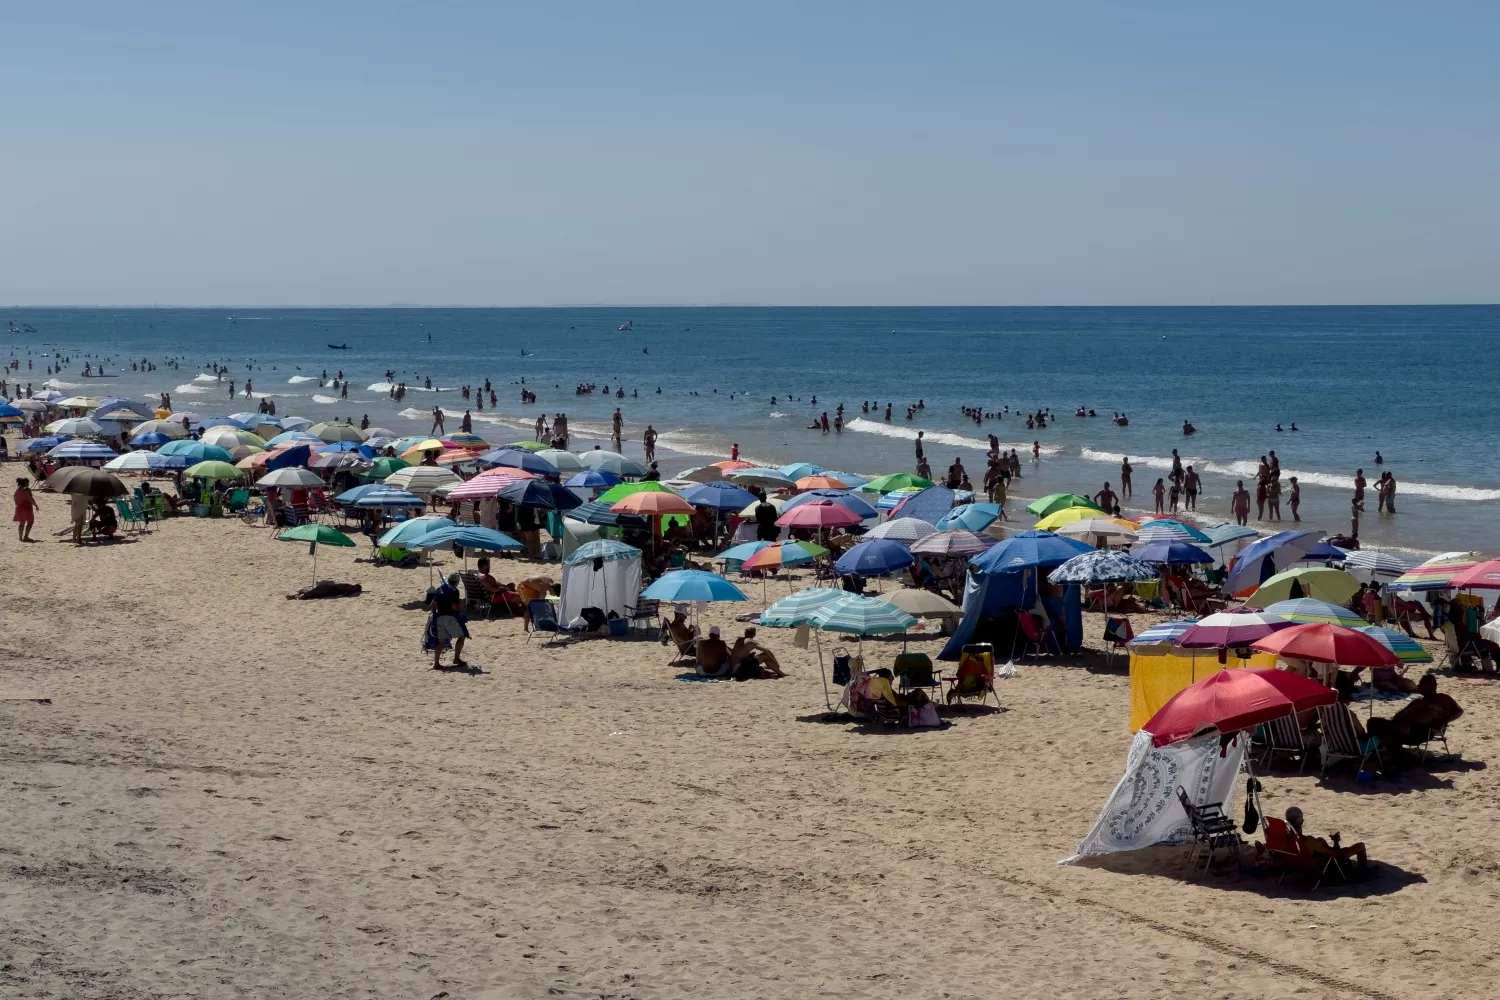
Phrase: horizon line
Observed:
(755, 305)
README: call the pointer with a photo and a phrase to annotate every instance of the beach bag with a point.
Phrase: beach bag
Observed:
(923, 716)
(594, 618)
(841, 671)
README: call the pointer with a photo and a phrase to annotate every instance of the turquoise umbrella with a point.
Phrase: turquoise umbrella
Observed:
(470, 536)
(602, 548)
(1407, 649)
(797, 609)
(861, 616)
(404, 532)
(742, 551)
(973, 517)
(196, 450)
(693, 585)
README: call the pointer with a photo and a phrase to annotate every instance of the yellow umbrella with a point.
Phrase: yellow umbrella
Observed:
(1068, 515)
(776, 502)
(431, 444)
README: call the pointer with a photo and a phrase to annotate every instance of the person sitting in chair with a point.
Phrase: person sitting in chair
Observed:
(678, 629)
(1417, 720)
(1320, 848)
(751, 660)
(713, 655)
(501, 595)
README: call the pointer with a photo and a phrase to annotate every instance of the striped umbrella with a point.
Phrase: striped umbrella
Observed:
(1372, 562)
(956, 542)
(87, 451)
(518, 459)
(609, 461)
(421, 479)
(1407, 649)
(481, 486)
(414, 528)
(1167, 530)
(1310, 611)
(861, 616)
(563, 461)
(797, 609)
(905, 530)
(1163, 632)
(1223, 534)
(75, 426)
(469, 536)
(1430, 577)
(892, 500)
(463, 439)
(390, 498)
(142, 461)
(602, 548)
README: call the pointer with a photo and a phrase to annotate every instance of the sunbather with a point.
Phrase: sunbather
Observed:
(326, 589)
(1320, 848)
(713, 655)
(751, 660)
(678, 629)
(1417, 720)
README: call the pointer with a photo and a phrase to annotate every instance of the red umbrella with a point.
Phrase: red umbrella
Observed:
(1327, 644)
(819, 514)
(1485, 575)
(1231, 700)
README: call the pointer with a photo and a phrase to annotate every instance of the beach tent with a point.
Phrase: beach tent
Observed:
(603, 574)
(1004, 578)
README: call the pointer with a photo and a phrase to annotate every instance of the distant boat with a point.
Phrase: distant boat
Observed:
(624, 326)
(338, 347)
(28, 328)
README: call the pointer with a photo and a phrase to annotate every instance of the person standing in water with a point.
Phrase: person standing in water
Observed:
(1359, 489)
(1125, 473)
(1240, 502)
(1294, 498)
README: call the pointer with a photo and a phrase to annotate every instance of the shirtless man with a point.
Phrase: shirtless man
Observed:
(1417, 720)
(1125, 473)
(759, 660)
(1190, 485)
(1106, 498)
(1240, 502)
(1176, 474)
(956, 474)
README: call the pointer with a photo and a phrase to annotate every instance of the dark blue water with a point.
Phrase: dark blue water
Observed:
(1416, 383)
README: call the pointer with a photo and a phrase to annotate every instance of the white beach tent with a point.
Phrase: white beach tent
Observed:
(603, 574)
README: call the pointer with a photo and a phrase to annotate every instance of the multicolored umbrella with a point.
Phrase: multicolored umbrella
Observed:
(464, 439)
(528, 445)
(1101, 528)
(619, 492)
(1407, 649)
(1481, 576)
(1230, 630)
(1310, 611)
(818, 483)
(1103, 566)
(1437, 576)
(778, 554)
(1367, 565)
(954, 542)
(1060, 519)
(415, 449)
(421, 479)
(144, 461)
(481, 487)
(898, 496)
(1163, 632)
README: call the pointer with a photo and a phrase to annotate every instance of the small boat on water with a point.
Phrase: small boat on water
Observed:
(625, 325)
(338, 347)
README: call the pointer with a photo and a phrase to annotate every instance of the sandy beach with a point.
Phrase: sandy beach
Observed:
(215, 792)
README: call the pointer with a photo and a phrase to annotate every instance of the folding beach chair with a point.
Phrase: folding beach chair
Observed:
(476, 600)
(1211, 829)
(914, 670)
(1117, 634)
(543, 615)
(1035, 635)
(646, 609)
(1285, 736)
(1289, 850)
(975, 676)
(1340, 741)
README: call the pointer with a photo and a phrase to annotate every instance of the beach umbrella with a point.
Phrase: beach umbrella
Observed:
(818, 483)
(592, 479)
(385, 466)
(1231, 700)
(739, 553)
(420, 479)
(348, 497)
(403, 443)
(335, 460)
(49, 395)
(1310, 611)
(692, 585)
(153, 439)
(196, 450)
(1163, 632)
(458, 456)
(289, 477)
(414, 527)
(313, 534)
(293, 438)
(386, 496)
(1171, 553)
(1025, 549)
(515, 458)
(620, 491)
(287, 457)
(1482, 576)
(332, 430)
(1054, 502)
(464, 439)
(718, 496)
(852, 614)
(1060, 519)
(141, 461)
(89, 482)
(563, 461)
(339, 447)
(702, 474)
(921, 603)
(75, 427)
(1407, 649)
(1248, 569)
(207, 423)
(730, 464)
(778, 554)
(30, 404)
(955, 542)
(874, 558)
(896, 481)
(1223, 534)
(1102, 566)
(1324, 643)
(611, 461)
(797, 470)
(255, 462)
(754, 476)
(599, 514)
(822, 514)
(468, 536)
(1168, 530)
(79, 402)
(40, 444)
(11, 414)
(230, 438)
(797, 609)
(850, 480)
(294, 423)
(213, 469)
(1102, 529)
(1231, 629)
(905, 530)
(651, 504)
(970, 517)
(895, 498)
(537, 446)
(247, 418)
(1367, 565)
(1437, 576)
(776, 502)
(843, 497)
(1331, 585)
(540, 494)
(85, 451)
(478, 488)
(601, 548)
(418, 448)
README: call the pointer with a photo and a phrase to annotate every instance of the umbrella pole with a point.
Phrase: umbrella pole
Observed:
(315, 563)
(827, 700)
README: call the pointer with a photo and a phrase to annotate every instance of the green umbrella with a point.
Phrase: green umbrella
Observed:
(313, 534)
(213, 469)
(617, 493)
(895, 481)
(528, 445)
(1054, 502)
(385, 466)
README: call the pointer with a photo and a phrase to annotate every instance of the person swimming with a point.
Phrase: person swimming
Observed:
(1379, 460)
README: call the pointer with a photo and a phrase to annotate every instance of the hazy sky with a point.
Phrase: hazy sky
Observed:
(323, 152)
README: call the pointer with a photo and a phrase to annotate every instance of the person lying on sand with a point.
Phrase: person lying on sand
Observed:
(326, 589)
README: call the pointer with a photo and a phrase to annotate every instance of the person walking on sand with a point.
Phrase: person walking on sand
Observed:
(447, 623)
(1240, 503)
(437, 420)
(25, 515)
(1125, 473)
(1294, 498)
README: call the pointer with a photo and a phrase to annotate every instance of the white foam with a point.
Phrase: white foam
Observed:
(189, 389)
(303, 378)
(777, 415)
(684, 443)
(325, 400)
(864, 426)
(53, 383)
(381, 387)
(206, 377)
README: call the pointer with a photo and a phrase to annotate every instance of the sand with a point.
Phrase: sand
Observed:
(234, 795)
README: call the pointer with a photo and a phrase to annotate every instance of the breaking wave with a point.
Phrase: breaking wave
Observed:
(864, 426)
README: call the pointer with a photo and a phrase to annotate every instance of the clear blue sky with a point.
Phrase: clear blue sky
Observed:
(324, 152)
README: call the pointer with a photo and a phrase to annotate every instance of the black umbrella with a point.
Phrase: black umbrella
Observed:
(540, 493)
(89, 482)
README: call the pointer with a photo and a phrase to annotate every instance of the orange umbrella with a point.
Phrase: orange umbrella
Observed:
(819, 483)
(730, 464)
(653, 504)
(455, 456)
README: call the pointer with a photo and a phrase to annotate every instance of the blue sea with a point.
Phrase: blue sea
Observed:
(1417, 384)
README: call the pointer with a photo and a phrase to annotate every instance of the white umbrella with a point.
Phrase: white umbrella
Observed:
(171, 428)
(420, 479)
(562, 461)
(137, 461)
(1094, 528)
(34, 405)
(611, 461)
(295, 423)
(76, 426)
(292, 477)
(902, 529)
(703, 474)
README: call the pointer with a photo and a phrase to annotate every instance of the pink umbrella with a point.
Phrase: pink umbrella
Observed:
(1231, 629)
(483, 486)
(820, 514)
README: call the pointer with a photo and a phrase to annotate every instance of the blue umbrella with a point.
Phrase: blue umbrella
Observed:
(171, 461)
(519, 458)
(151, 439)
(590, 479)
(797, 470)
(41, 444)
(1247, 570)
(843, 498)
(1171, 553)
(856, 615)
(336, 447)
(415, 528)
(1028, 548)
(290, 458)
(541, 494)
(1166, 529)
(208, 422)
(388, 496)
(895, 497)
(973, 517)
(1102, 566)
(470, 536)
(293, 437)
(597, 513)
(849, 479)
(1163, 632)
(692, 585)
(719, 496)
(874, 558)
(349, 497)
(1223, 534)
(742, 551)
(84, 450)
(1323, 552)
(602, 548)
(196, 450)
(6, 410)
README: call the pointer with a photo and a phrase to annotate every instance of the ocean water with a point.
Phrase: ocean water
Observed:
(1416, 383)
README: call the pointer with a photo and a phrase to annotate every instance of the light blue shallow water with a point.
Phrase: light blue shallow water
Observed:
(1416, 383)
